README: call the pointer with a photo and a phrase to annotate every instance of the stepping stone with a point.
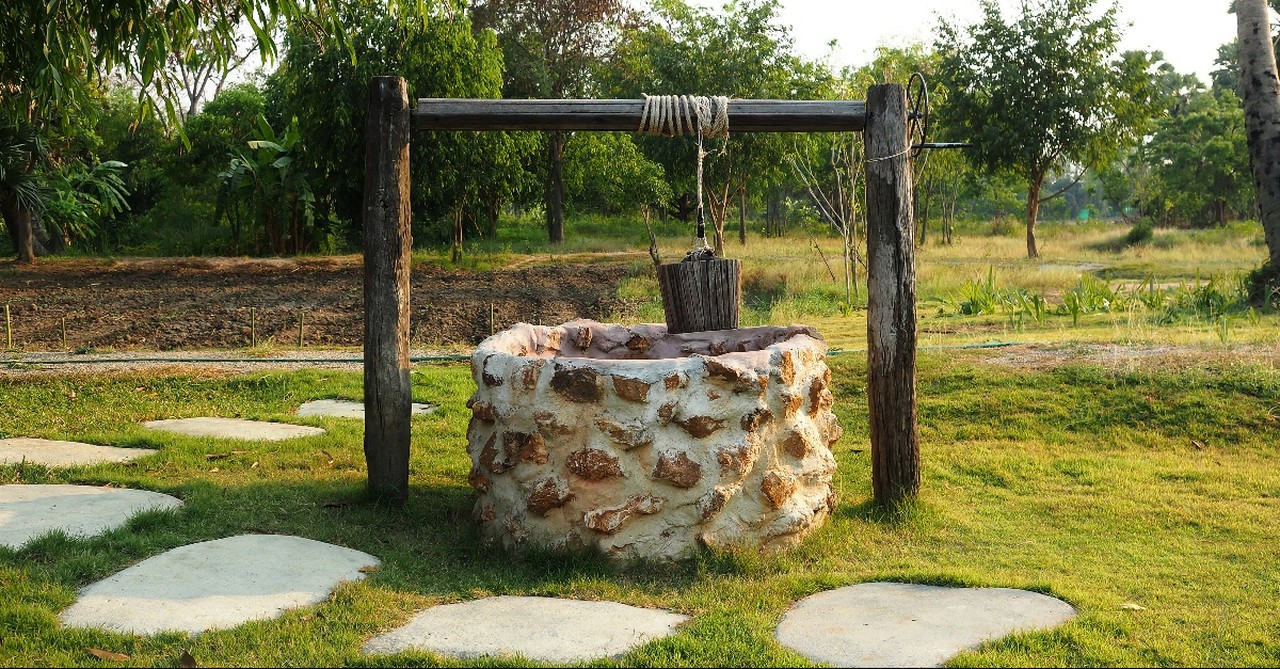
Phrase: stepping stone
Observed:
(352, 409)
(905, 625)
(543, 629)
(53, 453)
(28, 511)
(233, 428)
(216, 584)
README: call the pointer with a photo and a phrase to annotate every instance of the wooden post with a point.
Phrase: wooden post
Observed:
(387, 244)
(891, 307)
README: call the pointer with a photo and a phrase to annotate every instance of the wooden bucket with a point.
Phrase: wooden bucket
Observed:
(701, 295)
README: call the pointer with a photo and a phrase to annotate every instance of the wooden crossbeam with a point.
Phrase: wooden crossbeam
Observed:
(615, 115)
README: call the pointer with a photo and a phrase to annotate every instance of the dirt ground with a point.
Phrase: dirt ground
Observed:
(86, 305)
(165, 314)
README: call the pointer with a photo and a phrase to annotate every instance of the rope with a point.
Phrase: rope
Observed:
(883, 158)
(676, 115)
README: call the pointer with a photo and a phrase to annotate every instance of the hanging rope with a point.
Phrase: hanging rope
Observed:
(676, 115)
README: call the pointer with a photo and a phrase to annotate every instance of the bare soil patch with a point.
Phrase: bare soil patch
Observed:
(227, 303)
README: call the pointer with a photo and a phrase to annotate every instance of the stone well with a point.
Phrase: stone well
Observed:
(645, 444)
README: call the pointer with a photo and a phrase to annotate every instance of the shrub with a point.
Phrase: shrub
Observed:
(1140, 233)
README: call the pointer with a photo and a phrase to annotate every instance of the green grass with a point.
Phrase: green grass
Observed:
(1144, 483)
(1158, 488)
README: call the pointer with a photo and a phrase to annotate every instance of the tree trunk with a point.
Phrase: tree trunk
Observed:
(46, 241)
(742, 214)
(719, 206)
(555, 188)
(1033, 211)
(457, 234)
(18, 221)
(924, 212)
(492, 209)
(1261, 89)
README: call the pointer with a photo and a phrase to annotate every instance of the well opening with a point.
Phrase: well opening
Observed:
(645, 444)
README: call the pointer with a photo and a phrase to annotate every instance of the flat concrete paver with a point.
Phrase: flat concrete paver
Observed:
(233, 428)
(904, 625)
(216, 584)
(53, 453)
(28, 511)
(352, 409)
(544, 629)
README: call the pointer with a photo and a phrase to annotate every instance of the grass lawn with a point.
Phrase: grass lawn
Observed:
(1146, 496)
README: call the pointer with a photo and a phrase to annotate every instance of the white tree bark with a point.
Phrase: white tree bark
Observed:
(1261, 89)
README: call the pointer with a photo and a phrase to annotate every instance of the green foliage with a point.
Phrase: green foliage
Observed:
(221, 129)
(266, 197)
(21, 146)
(1202, 300)
(1141, 233)
(81, 198)
(1210, 300)
(1199, 162)
(154, 160)
(72, 195)
(434, 48)
(58, 54)
(606, 173)
(742, 51)
(1263, 286)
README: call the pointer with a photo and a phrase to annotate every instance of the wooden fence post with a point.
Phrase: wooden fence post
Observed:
(891, 307)
(387, 244)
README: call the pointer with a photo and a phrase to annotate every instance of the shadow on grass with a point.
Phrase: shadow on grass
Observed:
(896, 514)
(430, 545)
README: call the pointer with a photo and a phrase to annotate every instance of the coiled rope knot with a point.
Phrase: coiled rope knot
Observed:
(675, 115)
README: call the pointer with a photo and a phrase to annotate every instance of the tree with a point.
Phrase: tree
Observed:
(835, 186)
(1261, 93)
(607, 173)
(1045, 92)
(456, 177)
(1199, 161)
(56, 51)
(551, 48)
(741, 52)
(936, 175)
(266, 194)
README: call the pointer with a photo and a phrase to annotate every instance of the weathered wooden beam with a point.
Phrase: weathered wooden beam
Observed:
(387, 244)
(744, 115)
(891, 305)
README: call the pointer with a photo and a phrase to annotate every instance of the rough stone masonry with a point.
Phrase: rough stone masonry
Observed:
(644, 444)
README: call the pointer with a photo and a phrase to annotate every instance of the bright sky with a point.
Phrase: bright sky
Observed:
(1189, 32)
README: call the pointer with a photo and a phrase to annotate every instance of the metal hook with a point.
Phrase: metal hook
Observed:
(918, 118)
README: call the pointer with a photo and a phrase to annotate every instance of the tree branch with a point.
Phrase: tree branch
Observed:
(1060, 191)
